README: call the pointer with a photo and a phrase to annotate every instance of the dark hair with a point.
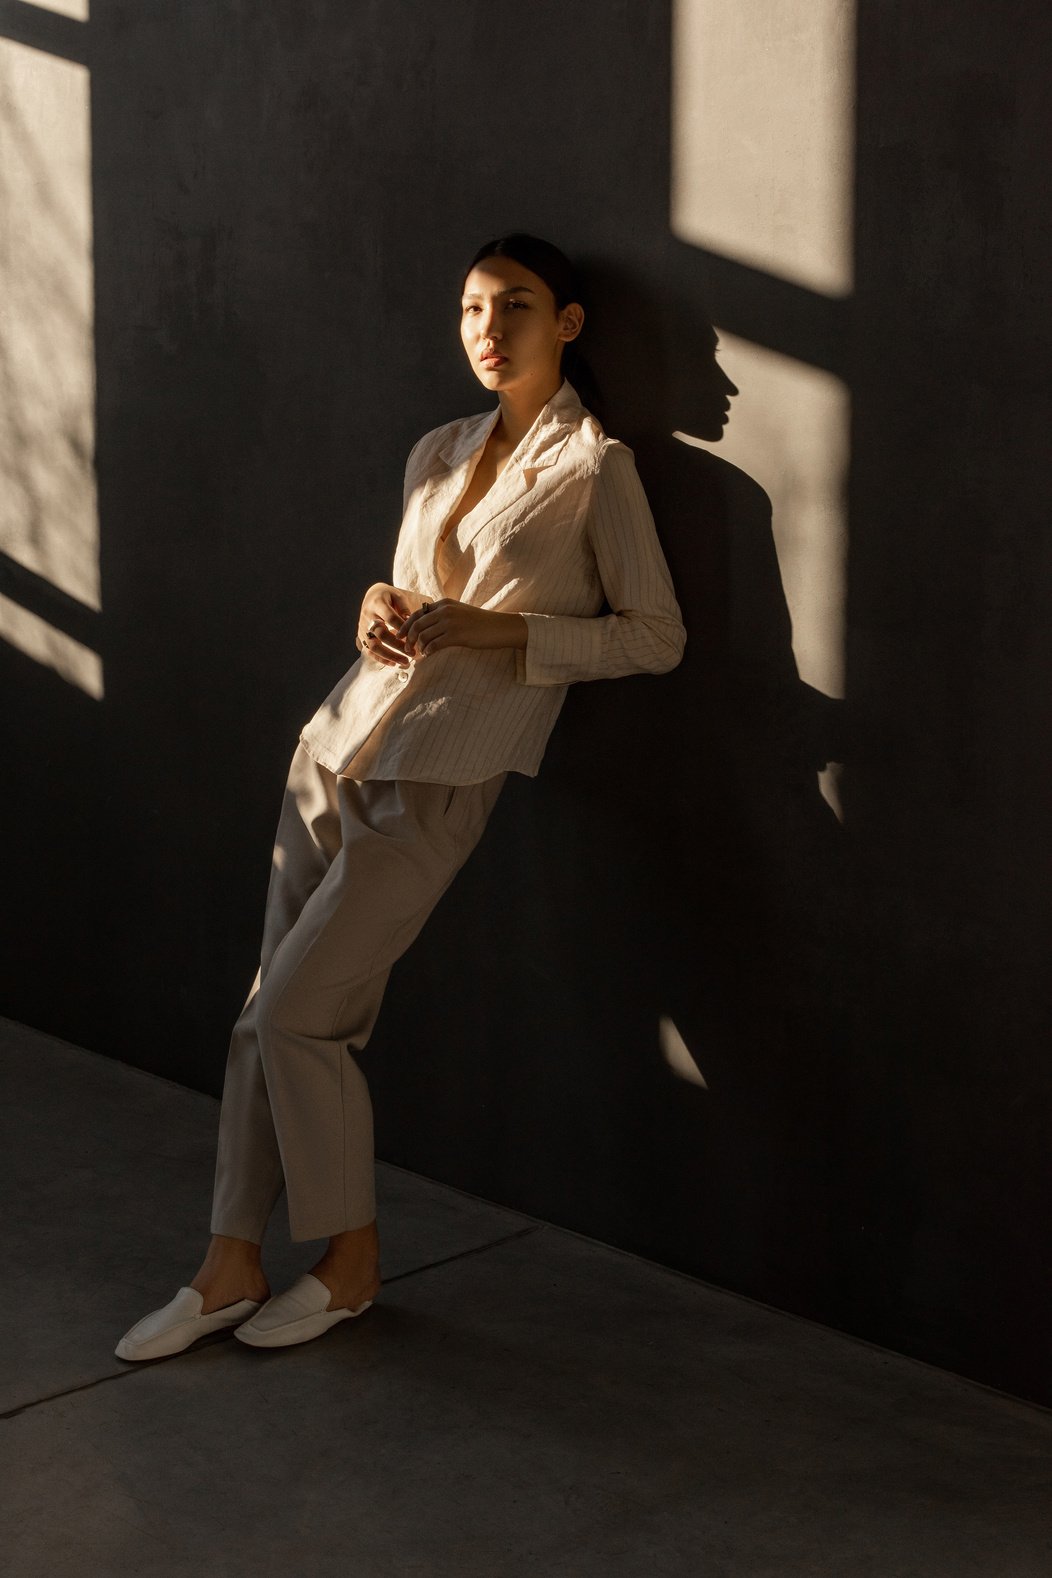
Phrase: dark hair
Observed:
(541, 258)
(562, 279)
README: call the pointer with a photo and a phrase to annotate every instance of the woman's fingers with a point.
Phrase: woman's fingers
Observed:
(394, 612)
(384, 616)
(382, 646)
(385, 612)
(407, 630)
(385, 605)
(426, 622)
(424, 631)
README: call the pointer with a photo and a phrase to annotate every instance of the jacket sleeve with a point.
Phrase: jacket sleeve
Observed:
(644, 633)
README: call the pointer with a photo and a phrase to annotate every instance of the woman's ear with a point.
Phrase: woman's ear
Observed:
(571, 321)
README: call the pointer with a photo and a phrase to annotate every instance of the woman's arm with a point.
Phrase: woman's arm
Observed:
(645, 633)
(448, 623)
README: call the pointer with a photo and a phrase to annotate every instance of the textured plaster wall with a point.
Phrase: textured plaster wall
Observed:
(784, 1031)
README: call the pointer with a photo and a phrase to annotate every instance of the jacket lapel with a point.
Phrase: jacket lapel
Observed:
(540, 448)
(437, 495)
(440, 494)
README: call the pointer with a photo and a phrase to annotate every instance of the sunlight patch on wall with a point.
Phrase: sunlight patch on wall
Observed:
(44, 644)
(48, 507)
(763, 135)
(677, 1054)
(76, 10)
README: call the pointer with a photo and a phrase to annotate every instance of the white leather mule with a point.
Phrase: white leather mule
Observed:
(296, 1315)
(178, 1324)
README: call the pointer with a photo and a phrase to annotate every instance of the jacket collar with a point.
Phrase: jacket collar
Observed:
(537, 448)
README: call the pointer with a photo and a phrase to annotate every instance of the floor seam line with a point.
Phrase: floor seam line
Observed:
(70, 1391)
(462, 1254)
(120, 1375)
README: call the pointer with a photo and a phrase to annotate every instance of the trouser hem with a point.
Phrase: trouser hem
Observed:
(252, 1233)
(330, 1230)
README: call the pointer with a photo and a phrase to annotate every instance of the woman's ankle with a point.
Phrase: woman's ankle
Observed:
(230, 1251)
(354, 1241)
(357, 1250)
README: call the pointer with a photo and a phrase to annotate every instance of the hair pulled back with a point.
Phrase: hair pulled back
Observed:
(551, 265)
(541, 258)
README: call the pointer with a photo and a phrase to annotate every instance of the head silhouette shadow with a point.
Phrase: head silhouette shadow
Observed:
(712, 854)
(668, 395)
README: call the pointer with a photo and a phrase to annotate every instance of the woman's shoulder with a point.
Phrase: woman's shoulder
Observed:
(445, 439)
(609, 455)
(590, 432)
(591, 436)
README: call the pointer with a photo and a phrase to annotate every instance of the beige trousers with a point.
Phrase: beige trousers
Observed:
(357, 869)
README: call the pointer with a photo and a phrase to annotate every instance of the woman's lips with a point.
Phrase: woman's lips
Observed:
(494, 359)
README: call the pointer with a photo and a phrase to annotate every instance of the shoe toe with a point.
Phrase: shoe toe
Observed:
(178, 1324)
(162, 1330)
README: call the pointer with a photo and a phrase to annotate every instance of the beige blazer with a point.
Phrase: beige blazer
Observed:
(565, 525)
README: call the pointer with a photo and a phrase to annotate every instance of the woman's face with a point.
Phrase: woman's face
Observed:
(510, 327)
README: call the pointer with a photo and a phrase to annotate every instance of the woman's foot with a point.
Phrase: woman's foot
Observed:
(350, 1267)
(231, 1271)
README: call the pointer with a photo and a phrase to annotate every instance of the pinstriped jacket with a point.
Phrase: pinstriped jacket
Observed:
(565, 526)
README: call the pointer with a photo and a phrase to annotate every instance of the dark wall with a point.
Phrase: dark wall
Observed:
(282, 198)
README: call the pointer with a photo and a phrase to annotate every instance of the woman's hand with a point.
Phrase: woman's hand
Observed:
(447, 623)
(385, 609)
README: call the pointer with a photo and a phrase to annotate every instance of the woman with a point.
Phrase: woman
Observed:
(516, 525)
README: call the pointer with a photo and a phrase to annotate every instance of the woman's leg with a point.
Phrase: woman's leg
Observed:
(248, 1177)
(398, 848)
(402, 844)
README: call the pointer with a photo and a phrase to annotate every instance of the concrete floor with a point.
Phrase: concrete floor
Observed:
(519, 1401)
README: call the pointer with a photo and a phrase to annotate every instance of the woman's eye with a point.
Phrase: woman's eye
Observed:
(517, 303)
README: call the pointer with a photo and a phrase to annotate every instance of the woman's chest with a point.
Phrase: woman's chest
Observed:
(531, 541)
(521, 528)
(481, 485)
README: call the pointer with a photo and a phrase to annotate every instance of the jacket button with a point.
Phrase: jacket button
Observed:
(403, 675)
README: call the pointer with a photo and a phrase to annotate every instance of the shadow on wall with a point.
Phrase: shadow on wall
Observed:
(732, 853)
(670, 894)
(681, 970)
